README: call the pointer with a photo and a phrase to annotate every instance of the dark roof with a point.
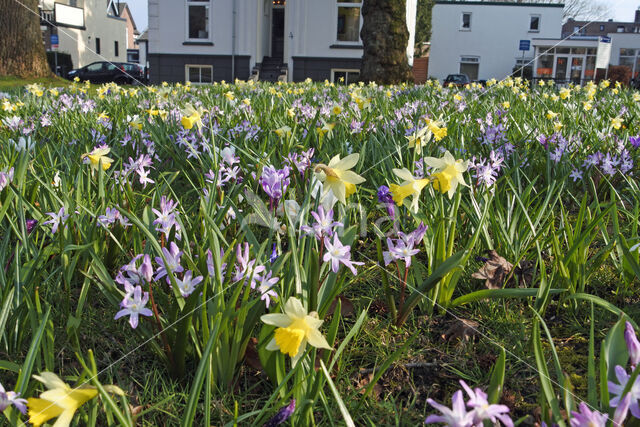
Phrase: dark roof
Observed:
(500, 3)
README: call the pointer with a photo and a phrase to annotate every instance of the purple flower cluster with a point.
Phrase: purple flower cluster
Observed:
(300, 161)
(386, 198)
(473, 414)
(402, 248)
(324, 224)
(111, 216)
(275, 183)
(6, 178)
(8, 398)
(166, 217)
(252, 273)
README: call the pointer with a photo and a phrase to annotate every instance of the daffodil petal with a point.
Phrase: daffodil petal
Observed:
(276, 319)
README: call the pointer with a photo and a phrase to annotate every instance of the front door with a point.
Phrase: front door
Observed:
(576, 70)
(277, 33)
(561, 68)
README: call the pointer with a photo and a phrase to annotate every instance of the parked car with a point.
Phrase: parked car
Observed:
(456, 80)
(104, 72)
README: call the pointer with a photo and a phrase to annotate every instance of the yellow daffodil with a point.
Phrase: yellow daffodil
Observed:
(326, 130)
(551, 115)
(229, 95)
(295, 328)
(60, 400)
(586, 106)
(448, 173)
(192, 116)
(616, 122)
(554, 97)
(291, 113)
(53, 92)
(417, 139)
(134, 122)
(336, 110)
(506, 105)
(540, 83)
(283, 131)
(337, 177)
(35, 89)
(437, 128)
(557, 126)
(98, 156)
(246, 101)
(565, 93)
(410, 187)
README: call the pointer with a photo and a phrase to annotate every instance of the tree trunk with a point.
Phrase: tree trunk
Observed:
(385, 36)
(21, 47)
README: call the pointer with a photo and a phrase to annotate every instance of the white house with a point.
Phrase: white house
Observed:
(205, 40)
(89, 30)
(482, 40)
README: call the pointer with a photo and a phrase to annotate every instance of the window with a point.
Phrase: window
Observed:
(534, 23)
(576, 30)
(198, 19)
(469, 65)
(545, 66)
(620, 29)
(601, 27)
(349, 20)
(465, 23)
(98, 45)
(199, 74)
(345, 76)
(96, 66)
(115, 49)
(630, 58)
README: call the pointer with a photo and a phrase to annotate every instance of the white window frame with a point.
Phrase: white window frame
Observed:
(535, 15)
(342, 70)
(204, 3)
(339, 4)
(462, 28)
(200, 66)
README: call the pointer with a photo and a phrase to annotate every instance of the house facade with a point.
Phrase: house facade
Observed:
(203, 40)
(482, 40)
(89, 30)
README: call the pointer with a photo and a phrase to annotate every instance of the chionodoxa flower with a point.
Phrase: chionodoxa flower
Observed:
(337, 177)
(60, 400)
(295, 328)
(448, 173)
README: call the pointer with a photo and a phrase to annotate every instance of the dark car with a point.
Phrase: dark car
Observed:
(456, 80)
(105, 72)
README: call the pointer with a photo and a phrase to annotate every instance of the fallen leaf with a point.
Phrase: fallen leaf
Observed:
(251, 357)
(494, 271)
(346, 306)
(462, 329)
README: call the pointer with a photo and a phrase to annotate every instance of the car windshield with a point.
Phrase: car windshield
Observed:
(457, 78)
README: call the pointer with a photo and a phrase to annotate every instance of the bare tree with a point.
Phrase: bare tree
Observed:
(581, 10)
(21, 47)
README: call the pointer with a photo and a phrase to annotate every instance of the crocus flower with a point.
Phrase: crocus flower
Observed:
(31, 225)
(385, 197)
(99, 157)
(482, 410)
(621, 410)
(60, 400)
(266, 288)
(633, 345)
(8, 398)
(282, 415)
(275, 182)
(337, 176)
(295, 328)
(56, 219)
(246, 268)
(409, 187)
(134, 306)
(6, 178)
(617, 389)
(587, 417)
(146, 269)
(188, 283)
(338, 253)
(456, 416)
(448, 173)
(173, 262)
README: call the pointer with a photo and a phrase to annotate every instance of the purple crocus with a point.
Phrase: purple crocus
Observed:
(482, 410)
(5, 178)
(166, 217)
(338, 253)
(146, 269)
(56, 219)
(8, 398)
(586, 417)
(621, 410)
(173, 262)
(633, 345)
(385, 197)
(282, 415)
(133, 305)
(635, 141)
(275, 183)
(617, 389)
(31, 225)
(456, 416)
(324, 225)
(246, 268)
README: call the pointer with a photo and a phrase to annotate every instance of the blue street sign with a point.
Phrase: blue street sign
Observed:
(54, 39)
(605, 39)
(525, 44)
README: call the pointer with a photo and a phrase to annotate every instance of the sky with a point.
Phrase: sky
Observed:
(622, 10)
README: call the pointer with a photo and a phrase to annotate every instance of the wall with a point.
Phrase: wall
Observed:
(494, 36)
(81, 43)
(130, 28)
(622, 41)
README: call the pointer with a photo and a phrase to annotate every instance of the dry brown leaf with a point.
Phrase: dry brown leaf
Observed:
(251, 357)
(494, 272)
(462, 329)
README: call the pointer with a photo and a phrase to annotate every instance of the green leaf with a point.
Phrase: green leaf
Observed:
(34, 348)
(499, 293)
(497, 378)
(343, 409)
